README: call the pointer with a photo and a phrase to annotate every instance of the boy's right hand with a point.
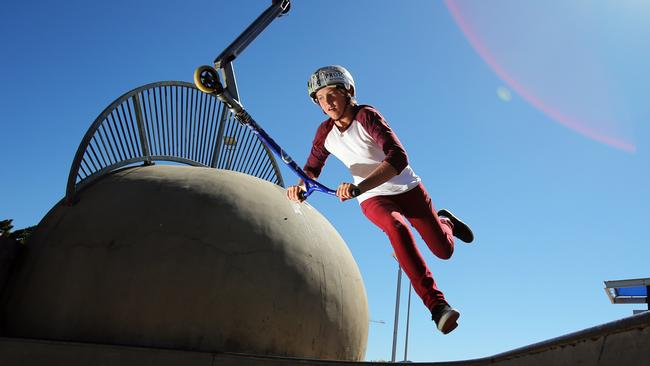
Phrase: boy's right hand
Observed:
(295, 193)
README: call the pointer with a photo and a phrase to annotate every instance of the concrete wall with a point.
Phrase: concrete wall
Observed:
(9, 250)
(16, 352)
(622, 342)
(625, 342)
(192, 259)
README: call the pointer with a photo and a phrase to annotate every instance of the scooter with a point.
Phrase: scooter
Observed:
(206, 79)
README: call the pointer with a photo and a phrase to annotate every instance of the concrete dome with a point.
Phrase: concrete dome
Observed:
(190, 258)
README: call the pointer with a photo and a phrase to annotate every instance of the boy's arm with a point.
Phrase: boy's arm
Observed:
(396, 159)
(318, 154)
(315, 162)
(382, 174)
(377, 127)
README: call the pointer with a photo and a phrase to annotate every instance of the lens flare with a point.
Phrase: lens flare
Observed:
(553, 55)
(504, 94)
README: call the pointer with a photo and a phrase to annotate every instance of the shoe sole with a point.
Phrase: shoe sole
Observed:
(461, 230)
(449, 321)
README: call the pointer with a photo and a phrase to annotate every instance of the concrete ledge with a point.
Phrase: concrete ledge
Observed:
(622, 342)
(16, 351)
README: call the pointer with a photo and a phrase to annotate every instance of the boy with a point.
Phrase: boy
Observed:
(389, 189)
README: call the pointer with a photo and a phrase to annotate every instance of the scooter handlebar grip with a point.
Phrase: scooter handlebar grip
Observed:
(304, 194)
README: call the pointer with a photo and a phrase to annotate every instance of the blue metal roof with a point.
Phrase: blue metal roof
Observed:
(632, 291)
(637, 291)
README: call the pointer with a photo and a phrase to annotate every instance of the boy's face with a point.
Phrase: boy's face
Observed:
(333, 101)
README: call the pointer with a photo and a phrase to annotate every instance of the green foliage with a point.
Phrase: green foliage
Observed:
(20, 236)
(5, 227)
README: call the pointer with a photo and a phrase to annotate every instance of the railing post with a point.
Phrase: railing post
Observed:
(144, 141)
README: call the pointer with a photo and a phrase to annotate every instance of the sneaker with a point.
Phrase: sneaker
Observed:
(460, 230)
(445, 317)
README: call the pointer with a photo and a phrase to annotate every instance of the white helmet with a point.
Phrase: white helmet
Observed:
(328, 76)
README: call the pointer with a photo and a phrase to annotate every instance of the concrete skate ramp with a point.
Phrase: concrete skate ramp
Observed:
(623, 342)
(191, 259)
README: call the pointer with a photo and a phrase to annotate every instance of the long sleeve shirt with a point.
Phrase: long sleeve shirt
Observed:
(367, 142)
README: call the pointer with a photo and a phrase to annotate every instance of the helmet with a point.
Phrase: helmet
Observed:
(328, 76)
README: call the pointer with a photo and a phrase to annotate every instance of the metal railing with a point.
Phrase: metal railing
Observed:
(168, 121)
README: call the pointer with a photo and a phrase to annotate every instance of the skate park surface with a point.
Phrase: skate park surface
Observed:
(96, 321)
(622, 342)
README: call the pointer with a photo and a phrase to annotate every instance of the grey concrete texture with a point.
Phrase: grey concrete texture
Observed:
(25, 352)
(193, 259)
(623, 342)
(9, 249)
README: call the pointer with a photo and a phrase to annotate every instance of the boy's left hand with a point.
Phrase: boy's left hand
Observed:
(345, 191)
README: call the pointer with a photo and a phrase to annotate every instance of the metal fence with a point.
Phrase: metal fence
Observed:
(168, 121)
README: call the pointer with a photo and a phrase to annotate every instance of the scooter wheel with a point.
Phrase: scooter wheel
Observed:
(206, 79)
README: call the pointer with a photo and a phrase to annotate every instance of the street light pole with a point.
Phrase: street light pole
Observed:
(408, 319)
(231, 144)
(399, 285)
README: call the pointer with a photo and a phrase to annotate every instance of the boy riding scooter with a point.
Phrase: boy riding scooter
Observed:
(389, 191)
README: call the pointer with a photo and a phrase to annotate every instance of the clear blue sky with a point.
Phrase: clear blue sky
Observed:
(529, 121)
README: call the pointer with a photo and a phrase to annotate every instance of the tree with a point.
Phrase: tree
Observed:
(20, 236)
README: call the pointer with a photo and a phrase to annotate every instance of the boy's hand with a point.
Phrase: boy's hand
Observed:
(345, 191)
(295, 193)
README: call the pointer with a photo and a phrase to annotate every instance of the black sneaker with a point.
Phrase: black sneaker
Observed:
(445, 317)
(461, 230)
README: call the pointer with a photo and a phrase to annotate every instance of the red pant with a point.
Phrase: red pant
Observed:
(388, 212)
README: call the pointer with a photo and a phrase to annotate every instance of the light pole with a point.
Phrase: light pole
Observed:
(231, 144)
(408, 314)
(408, 319)
(399, 285)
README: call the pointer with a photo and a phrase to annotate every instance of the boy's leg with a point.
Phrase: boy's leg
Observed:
(384, 213)
(461, 230)
(436, 232)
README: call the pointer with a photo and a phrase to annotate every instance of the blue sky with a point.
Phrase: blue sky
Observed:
(529, 121)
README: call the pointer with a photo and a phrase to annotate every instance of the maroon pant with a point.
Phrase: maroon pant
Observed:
(388, 212)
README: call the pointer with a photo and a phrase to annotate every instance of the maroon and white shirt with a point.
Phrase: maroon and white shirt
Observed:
(366, 143)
